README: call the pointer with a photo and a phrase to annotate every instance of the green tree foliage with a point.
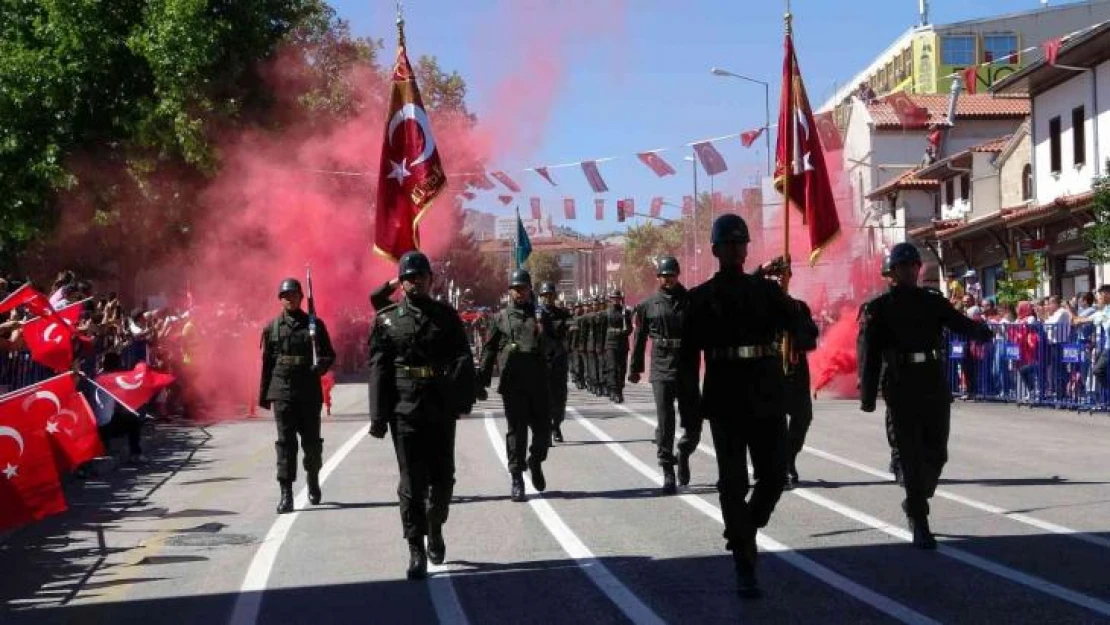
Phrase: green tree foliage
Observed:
(544, 267)
(644, 244)
(1098, 234)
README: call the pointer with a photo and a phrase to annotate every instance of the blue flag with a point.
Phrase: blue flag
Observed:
(523, 247)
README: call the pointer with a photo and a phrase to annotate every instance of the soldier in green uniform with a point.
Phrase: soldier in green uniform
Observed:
(577, 355)
(618, 329)
(589, 345)
(518, 339)
(599, 330)
(290, 386)
(421, 380)
(557, 355)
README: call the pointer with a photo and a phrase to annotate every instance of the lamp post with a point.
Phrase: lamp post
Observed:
(694, 229)
(716, 71)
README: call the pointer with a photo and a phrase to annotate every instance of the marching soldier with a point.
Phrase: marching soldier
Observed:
(799, 402)
(518, 340)
(578, 358)
(557, 355)
(291, 386)
(660, 317)
(734, 319)
(903, 330)
(895, 466)
(618, 327)
(595, 339)
(421, 380)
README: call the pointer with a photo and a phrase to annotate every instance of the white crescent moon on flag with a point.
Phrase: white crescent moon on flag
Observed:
(417, 114)
(122, 383)
(14, 434)
(46, 395)
(50, 330)
(72, 415)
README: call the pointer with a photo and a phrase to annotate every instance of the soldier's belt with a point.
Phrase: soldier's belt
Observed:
(416, 373)
(515, 348)
(291, 360)
(917, 358)
(615, 331)
(741, 352)
(667, 343)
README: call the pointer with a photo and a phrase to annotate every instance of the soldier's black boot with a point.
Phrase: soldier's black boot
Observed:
(896, 470)
(285, 504)
(792, 474)
(518, 488)
(922, 536)
(669, 487)
(618, 397)
(557, 434)
(683, 467)
(314, 488)
(418, 559)
(437, 549)
(535, 467)
(747, 585)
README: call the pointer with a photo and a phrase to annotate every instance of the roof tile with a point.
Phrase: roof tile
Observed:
(969, 106)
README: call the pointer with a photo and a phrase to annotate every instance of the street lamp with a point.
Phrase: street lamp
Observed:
(716, 71)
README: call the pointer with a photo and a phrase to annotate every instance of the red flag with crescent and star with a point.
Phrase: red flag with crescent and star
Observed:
(134, 388)
(798, 153)
(410, 175)
(656, 164)
(568, 208)
(30, 489)
(66, 417)
(50, 341)
(28, 296)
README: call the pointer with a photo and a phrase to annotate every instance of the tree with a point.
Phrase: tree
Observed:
(544, 267)
(644, 244)
(1098, 233)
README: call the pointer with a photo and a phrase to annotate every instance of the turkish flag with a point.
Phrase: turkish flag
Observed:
(711, 159)
(749, 137)
(50, 339)
(65, 416)
(599, 209)
(1051, 50)
(798, 156)
(505, 199)
(542, 171)
(30, 488)
(593, 176)
(971, 79)
(908, 113)
(504, 179)
(134, 388)
(537, 211)
(410, 175)
(27, 295)
(480, 181)
(656, 206)
(656, 163)
(830, 134)
(568, 208)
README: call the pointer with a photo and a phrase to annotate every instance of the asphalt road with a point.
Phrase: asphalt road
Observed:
(1023, 517)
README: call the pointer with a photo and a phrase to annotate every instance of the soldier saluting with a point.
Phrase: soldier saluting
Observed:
(290, 385)
(903, 329)
(421, 380)
(735, 319)
(660, 317)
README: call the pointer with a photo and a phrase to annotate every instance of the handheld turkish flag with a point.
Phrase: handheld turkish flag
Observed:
(65, 416)
(134, 388)
(30, 489)
(798, 156)
(30, 297)
(410, 175)
(50, 339)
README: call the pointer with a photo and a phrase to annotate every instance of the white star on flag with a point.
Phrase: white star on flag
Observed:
(52, 427)
(11, 471)
(399, 172)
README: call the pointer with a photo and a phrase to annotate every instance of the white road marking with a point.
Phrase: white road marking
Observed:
(971, 503)
(628, 603)
(1029, 581)
(880, 602)
(249, 601)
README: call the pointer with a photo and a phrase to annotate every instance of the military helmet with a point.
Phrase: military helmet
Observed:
(413, 263)
(903, 253)
(548, 288)
(885, 272)
(289, 285)
(667, 266)
(729, 228)
(520, 277)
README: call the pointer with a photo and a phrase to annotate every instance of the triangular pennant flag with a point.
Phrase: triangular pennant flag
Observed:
(568, 208)
(504, 179)
(656, 163)
(542, 171)
(711, 160)
(749, 137)
(593, 176)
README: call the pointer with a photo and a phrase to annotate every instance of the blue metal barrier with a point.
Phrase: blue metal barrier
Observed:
(17, 370)
(1033, 364)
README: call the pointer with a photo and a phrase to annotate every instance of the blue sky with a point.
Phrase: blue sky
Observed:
(643, 81)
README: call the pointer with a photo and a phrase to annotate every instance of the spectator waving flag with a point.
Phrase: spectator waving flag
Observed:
(30, 488)
(133, 389)
(26, 295)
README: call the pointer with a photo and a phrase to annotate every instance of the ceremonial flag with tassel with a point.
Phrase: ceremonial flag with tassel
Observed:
(800, 172)
(410, 174)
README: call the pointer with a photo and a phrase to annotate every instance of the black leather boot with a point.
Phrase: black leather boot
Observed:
(285, 503)
(437, 549)
(557, 434)
(314, 488)
(747, 585)
(922, 536)
(683, 467)
(518, 488)
(535, 467)
(669, 487)
(418, 559)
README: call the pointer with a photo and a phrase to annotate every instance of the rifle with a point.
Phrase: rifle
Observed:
(311, 314)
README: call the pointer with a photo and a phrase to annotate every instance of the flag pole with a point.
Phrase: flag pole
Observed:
(787, 169)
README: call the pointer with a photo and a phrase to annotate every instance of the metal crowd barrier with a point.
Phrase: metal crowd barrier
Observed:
(1033, 364)
(17, 370)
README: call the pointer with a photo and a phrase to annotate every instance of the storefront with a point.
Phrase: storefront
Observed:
(1058, 227)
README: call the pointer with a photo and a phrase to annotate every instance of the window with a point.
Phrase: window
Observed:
(957, 50)
(1078, 136)
(1027, 182)
(1002, 48)
(936, 206)
(1054, 155)
(965, 187)
(950, 191)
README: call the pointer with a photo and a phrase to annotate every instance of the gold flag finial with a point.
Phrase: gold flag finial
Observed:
(400, 24)
(788, 17)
